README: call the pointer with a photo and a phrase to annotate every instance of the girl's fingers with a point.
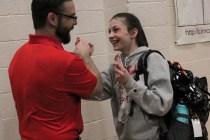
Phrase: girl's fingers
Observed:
(118, 65)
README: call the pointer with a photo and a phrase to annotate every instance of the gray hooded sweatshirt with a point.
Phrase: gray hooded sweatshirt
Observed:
(156, 99)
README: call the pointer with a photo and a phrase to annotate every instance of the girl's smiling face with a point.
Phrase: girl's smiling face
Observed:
(119, 36)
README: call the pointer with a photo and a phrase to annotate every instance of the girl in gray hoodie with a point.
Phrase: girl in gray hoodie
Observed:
(127, 36)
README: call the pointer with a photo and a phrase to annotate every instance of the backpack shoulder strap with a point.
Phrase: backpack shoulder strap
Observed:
(149, 52)
(142, 65)
(142, 69)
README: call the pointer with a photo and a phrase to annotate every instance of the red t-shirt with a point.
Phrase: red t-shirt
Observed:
(48, 83)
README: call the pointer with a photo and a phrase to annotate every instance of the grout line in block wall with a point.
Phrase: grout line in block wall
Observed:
(9, 118)
(98, 120)
(9, 41)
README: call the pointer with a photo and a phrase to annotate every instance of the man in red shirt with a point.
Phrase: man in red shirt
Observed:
(47, 81)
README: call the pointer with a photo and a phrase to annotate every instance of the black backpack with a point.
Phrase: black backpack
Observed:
(190, 91)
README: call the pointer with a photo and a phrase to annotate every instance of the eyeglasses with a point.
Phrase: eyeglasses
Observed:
(68, 16)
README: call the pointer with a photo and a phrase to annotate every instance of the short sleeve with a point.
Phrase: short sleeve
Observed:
(78, 79)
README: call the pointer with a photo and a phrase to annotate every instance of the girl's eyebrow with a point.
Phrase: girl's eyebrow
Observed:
(115, 26)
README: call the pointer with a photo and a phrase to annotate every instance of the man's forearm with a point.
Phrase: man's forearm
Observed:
(91, 66)
(84, 49)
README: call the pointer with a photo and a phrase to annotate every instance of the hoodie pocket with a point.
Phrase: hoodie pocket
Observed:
(143, 118)
(151, 119)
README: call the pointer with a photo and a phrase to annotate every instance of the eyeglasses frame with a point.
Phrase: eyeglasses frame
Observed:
(68, 16)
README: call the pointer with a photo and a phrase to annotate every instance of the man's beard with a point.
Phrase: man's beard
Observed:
(63, 33)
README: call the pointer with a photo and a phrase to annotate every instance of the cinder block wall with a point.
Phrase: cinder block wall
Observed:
(158, 20)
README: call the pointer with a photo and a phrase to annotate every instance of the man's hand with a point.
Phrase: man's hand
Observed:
(83, 48)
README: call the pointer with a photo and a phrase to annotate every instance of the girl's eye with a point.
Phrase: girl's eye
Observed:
(115, 30)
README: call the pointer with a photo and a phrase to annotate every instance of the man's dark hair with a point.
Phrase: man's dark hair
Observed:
(133, 22)
(41, 8)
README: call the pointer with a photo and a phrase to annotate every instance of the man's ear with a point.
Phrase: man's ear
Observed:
(52, 19)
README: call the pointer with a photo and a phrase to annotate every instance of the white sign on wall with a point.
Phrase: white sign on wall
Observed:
(192, 21)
